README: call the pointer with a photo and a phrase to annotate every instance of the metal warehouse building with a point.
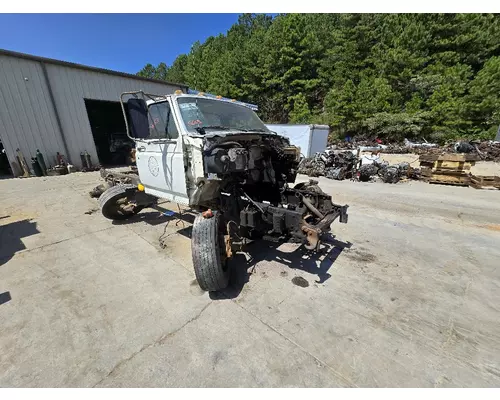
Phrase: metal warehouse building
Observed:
(57, 106)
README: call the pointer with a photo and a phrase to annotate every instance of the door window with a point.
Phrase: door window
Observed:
(161, 122)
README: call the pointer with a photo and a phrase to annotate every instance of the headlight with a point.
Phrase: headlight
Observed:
(292, 151)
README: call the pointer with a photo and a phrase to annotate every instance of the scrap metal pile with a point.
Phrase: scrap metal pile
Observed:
(340, 165)
(333, 165)
(486, 150)
(113, 179)
(385, 172)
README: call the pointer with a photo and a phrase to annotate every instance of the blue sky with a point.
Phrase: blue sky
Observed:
(121, 42)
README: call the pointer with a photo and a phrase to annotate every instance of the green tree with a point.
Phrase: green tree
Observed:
(300, 113)
(446, 104)
(176, 71)
(373, 95)
(388, 75)
(148, 71)
(484, 99)
(340, 107)
(161, 71)
(396, 126)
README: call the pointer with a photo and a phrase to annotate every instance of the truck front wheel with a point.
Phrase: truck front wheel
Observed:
(209, 252)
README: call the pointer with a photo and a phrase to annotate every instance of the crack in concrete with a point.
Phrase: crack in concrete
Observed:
(56, 242)
(321, 362)
(157, 342)
(154, 247)
(346, 380)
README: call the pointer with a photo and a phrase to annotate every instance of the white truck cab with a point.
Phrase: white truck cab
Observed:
(169, 158)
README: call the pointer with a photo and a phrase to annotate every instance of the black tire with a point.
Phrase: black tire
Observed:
(209, 254)
(109, 206)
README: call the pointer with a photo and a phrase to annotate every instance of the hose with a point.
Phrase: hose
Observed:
(221, 144)
(253, 202)
(311, 208)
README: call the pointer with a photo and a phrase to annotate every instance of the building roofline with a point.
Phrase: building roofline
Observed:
(86, 67)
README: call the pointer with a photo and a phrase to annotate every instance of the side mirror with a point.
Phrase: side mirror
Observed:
(138, 118)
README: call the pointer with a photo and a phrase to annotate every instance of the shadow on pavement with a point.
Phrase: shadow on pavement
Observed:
(11, 235)
(157, 217)
(314, 263)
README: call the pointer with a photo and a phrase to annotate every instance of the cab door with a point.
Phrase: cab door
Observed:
(160, 156)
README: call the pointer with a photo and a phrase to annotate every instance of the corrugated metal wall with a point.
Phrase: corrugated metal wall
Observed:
(28, 120)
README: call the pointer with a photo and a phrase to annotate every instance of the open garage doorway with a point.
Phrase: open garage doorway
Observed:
(108, 129)
(5, 170)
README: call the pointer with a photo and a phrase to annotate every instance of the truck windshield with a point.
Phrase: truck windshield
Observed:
(204, 115)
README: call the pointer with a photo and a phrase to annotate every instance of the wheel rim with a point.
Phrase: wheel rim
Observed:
(123, 206)
(222, 252)
(222, 246)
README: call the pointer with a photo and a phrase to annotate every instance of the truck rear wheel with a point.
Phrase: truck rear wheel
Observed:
(209, 253)
(115, 203)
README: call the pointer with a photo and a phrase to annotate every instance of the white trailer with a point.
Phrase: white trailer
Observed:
(310, 138)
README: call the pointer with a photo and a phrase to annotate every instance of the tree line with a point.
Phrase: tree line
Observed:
(433, 76)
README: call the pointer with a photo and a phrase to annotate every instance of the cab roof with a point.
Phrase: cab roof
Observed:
(200, 95)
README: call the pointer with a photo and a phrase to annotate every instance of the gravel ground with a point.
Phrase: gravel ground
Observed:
(405, 295)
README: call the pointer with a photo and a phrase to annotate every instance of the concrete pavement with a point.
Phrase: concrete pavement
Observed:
(406, 295)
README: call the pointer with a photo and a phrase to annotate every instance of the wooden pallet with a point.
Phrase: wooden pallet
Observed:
(448, 180)
(428, 172)
(485, 182)
(445, 176)
(448, 157)
(440, 182)
(447, 169)
(447, 165)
